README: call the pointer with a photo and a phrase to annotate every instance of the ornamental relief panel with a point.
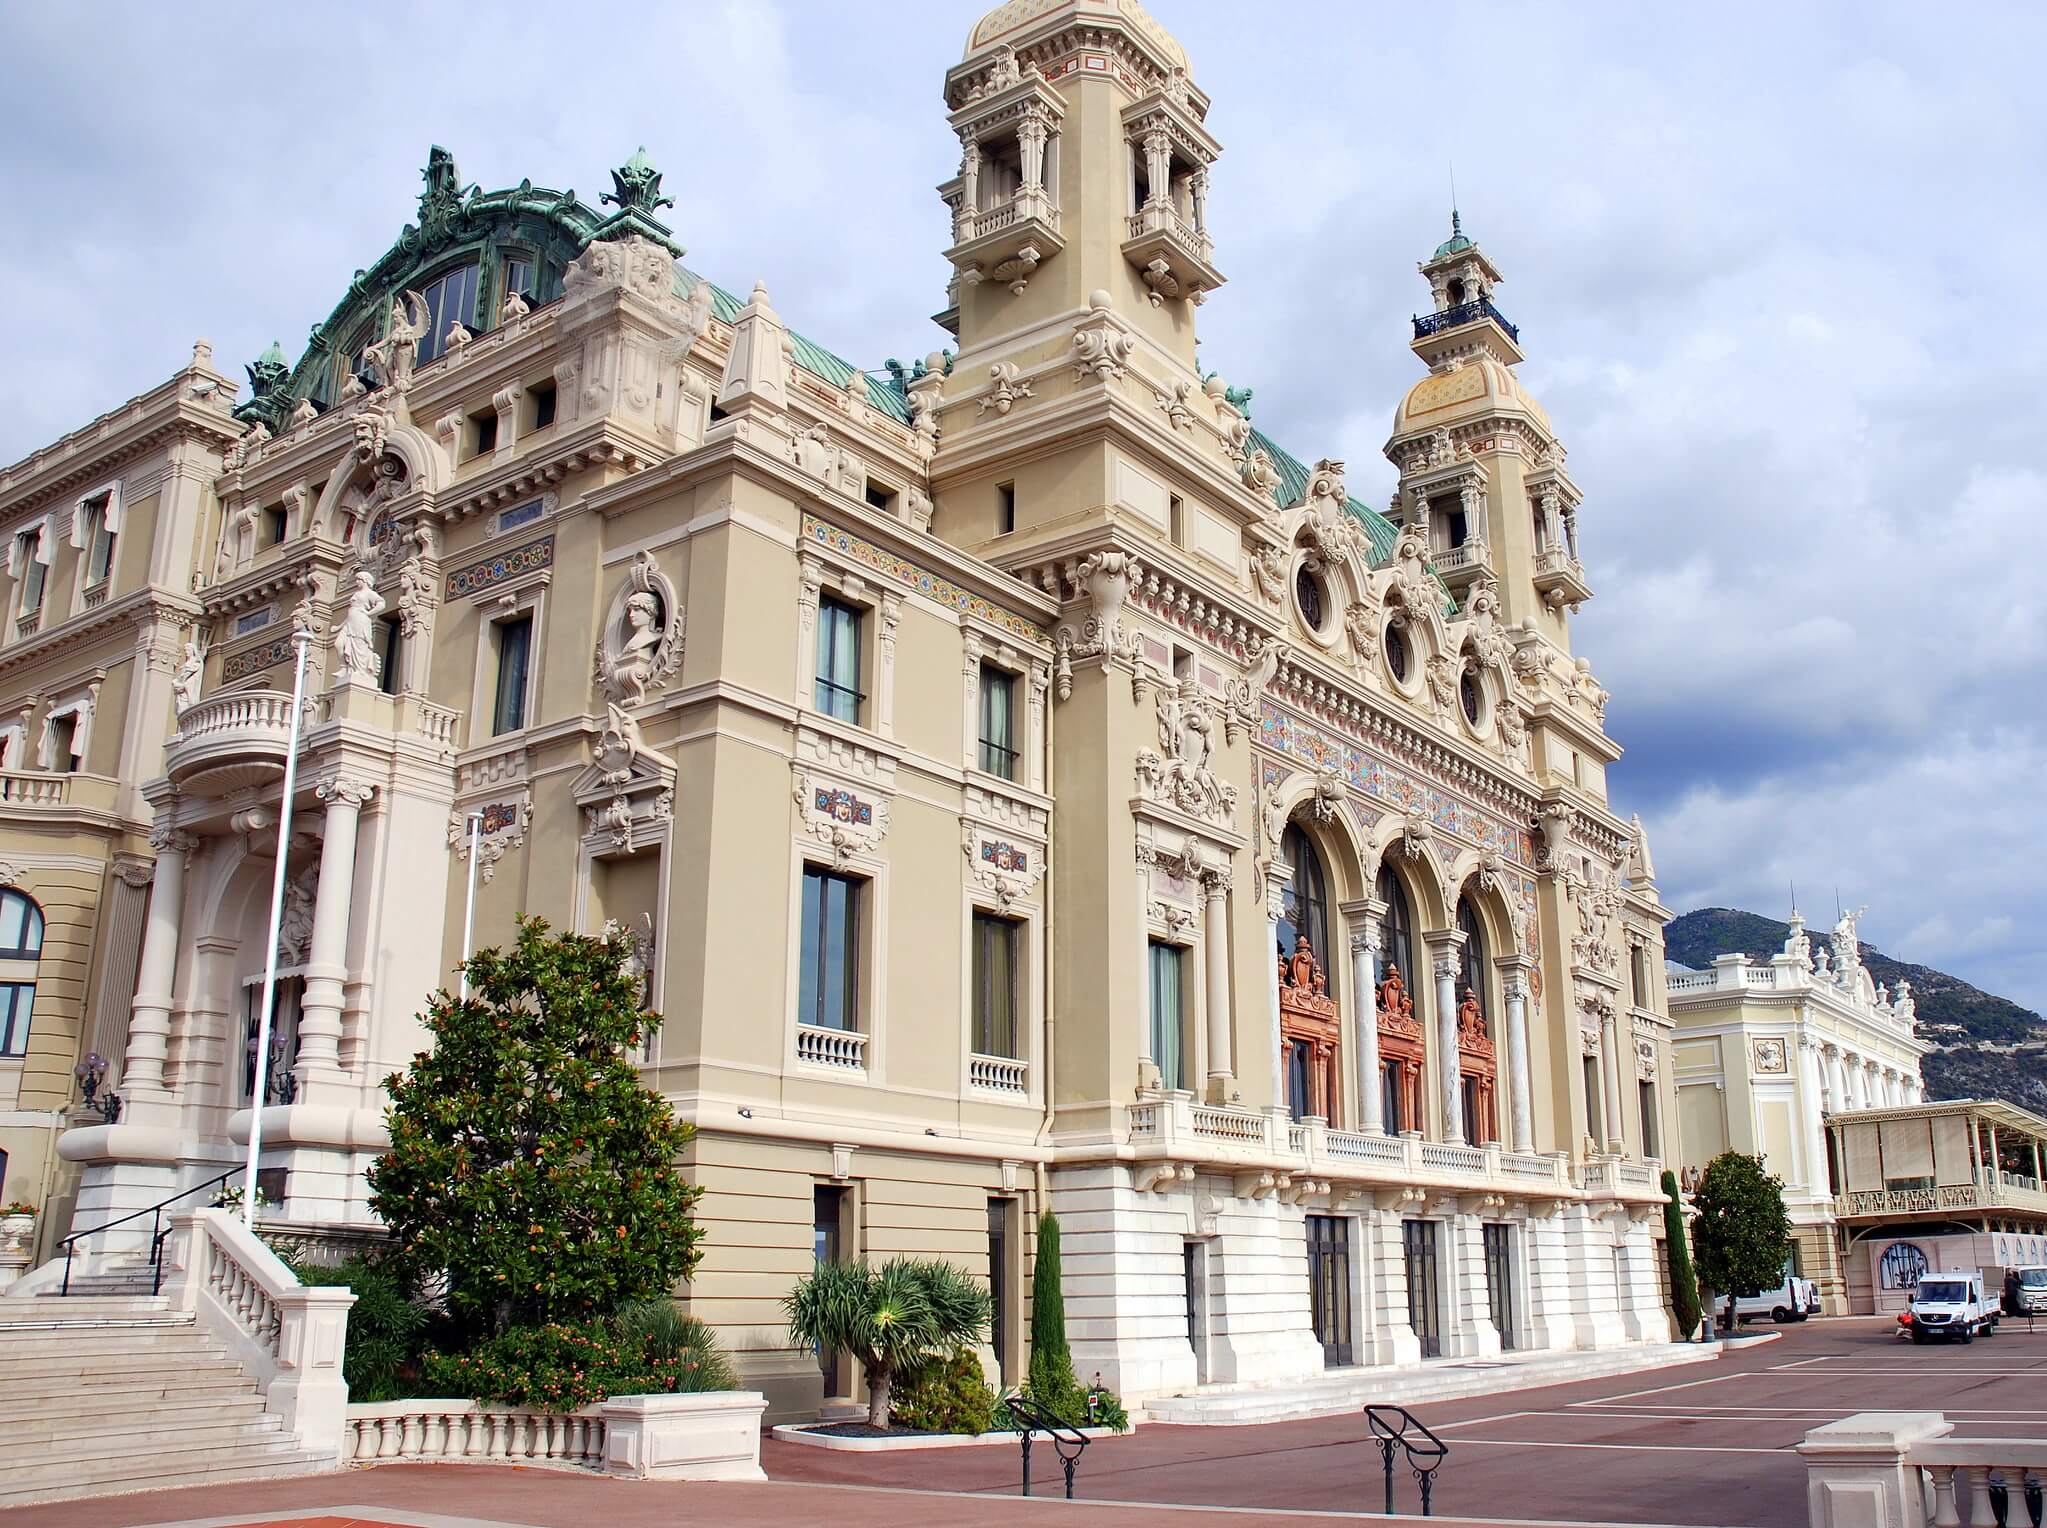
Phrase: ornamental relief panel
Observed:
(641, 645)
(846, 818)
(1180, 772)
(1009, 869)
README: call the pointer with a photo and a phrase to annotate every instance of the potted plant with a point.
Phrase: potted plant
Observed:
(17, 1234)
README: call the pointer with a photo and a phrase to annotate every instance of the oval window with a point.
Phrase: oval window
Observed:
(1396, 653)
(1468, 696)
(1308, 595)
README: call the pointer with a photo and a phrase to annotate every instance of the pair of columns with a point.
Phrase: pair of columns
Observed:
(1367, 941)
(144, 1068)
(1853, 1082)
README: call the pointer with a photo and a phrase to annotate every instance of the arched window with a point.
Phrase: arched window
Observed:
(1400, 1043)
(1475, 962)
(1398, 947)
(1477, 1063)
(1307, 898)
(450, 298)
(21, 945)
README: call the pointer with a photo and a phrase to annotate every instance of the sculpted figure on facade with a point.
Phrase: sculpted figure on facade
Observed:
(355, 647)
(1361, 630)
(642, 641)
(1179, 774)
(1268, 573)
(392, 356)
(416, 600)
(1259, 473)
(295, 926)
(185, 687)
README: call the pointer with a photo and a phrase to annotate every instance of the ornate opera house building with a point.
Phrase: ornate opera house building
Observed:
(1031, 785)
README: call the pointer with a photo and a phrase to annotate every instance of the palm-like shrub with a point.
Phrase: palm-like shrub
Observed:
(891, 1319)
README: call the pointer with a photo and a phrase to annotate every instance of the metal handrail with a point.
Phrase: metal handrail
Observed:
(1426, 324)
(1390, 1425)
(1068, 1441)
(157, 1233)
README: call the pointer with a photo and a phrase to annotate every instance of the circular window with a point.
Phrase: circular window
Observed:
(1396, 653)
(1308, 595)
(1468, 696)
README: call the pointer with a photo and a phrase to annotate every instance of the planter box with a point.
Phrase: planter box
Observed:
(801, 1433)
(712, 1436)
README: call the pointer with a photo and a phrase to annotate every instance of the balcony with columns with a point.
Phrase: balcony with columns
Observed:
(1004, 201)
(1939, 1160)
(1167, 238)
(235, 740)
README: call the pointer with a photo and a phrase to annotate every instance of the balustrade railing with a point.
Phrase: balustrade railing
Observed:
(1455, 559)
(1426, 324)
(258, 711)
(1164, 217)
(22, 788)
(458, 1431)
(845, 1049)
(1447, 1156)
(1906, 1469)
(1353, 1146)
(1229, 1124)
(440, 724)
(999, 1074)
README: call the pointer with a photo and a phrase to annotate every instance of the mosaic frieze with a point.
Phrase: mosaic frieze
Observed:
(515, 563)
(901, 570)
(254, 660)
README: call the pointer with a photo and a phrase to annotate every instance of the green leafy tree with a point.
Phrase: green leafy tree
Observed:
(528, 1164)
(892, 1319)
(1684, 1282)
(1050, 1381)
(1742, 1233)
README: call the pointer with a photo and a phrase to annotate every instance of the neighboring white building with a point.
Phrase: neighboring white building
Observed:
(1765, 1051)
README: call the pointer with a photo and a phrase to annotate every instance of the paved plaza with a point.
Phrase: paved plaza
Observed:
(1703, 1447)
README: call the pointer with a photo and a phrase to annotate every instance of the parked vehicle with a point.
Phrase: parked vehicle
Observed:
(1951, 1306)
(2029, 1297)
(1793, 1300)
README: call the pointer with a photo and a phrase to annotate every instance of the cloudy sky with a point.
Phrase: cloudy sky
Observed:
(1772, 266)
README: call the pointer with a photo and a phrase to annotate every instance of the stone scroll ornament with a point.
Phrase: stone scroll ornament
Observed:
(641, 646)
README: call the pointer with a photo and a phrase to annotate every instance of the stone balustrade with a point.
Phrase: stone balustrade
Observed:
(287, 1337)
(1905, 1469)
(39, 790)
(999, 1074)
(841, 1049)
(457, 1431)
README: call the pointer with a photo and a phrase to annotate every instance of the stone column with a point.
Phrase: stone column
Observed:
(149, 1017)
(1158, 161)
(1365, 939)
(1277, 877)
(1837, 1082)
(1610, 1077)
(1031, 132)
(1444, 947)
(1809, 1084)
(970, 186)
(319, 1057)
(1520, 1085)
(1216, 938)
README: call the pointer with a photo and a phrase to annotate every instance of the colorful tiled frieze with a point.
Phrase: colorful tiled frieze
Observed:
(254, 660)
(1002, 855)
(516, 563)
(901, 570)
(843, 806)
(1376, 777)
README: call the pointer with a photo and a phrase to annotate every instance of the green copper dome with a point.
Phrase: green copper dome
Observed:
(1456, 244)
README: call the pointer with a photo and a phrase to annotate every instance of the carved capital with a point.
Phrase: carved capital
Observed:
(170, 840)
(340, 790)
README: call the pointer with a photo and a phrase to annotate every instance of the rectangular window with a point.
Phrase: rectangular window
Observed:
(1005, 508)
(879, 496)
(542, 394)
(1390, 1098)
(485, 425)
(996, 941)
(64, 742)
(1001, 1288)
(32, 574)
(1646, 1093)
(274, 524)
(98, 542)
(827, 995)
(998, 722)
(838, 660)
(516, 275)
(514, 638)
(16, 999)
(1168, 1014)
(1298, 1087)
(1176, 520)
(389, 645)
(828, 1243)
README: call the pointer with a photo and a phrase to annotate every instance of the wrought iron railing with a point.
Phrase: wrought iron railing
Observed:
(1397, 1427)
(1426, 324)
(158, 1231)
(1068, 1441)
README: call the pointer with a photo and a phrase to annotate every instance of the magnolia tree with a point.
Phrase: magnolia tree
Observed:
(1742, 1234)
(528, 1164)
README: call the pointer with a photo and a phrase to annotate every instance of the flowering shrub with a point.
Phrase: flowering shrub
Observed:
(559, 1367)
(19, 1207)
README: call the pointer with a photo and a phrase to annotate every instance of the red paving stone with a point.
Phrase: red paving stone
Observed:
(1706, 1446)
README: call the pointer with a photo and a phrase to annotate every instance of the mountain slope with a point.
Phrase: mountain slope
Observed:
(1986, 1046)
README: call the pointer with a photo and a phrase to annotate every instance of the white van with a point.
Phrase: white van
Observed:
(2032, 1291)
(1950, 1306)
(1792, 1300)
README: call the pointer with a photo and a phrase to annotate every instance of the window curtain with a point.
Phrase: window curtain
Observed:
(1166, 1037)
(994, 986)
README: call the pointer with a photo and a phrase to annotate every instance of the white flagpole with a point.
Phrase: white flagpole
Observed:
(262, 1081)
(469, 906)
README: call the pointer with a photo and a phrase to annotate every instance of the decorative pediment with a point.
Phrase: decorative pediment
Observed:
(627, 791)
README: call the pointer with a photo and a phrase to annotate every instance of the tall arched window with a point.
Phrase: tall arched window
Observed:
(1477, 1063)
(21, 946)
(1400, 1034)
(1307, 898)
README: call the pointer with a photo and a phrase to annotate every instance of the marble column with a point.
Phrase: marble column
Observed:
(1610, 1077)
(1521, 1089)
(319, 1056)
(1366, 934)
(149, 1017)
(1277, 878)
(1837, 1082)
(1809, 1084)
(1216, 942)
(1445, 945)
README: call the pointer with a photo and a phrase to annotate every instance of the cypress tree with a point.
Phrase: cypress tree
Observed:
(1050, 1382)
(1684, 1283)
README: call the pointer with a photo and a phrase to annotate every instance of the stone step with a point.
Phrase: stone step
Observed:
(154, 1472)
(147, 1374)
(84, 1416)
(45, 1307)
(116, 1400)
(1348, 1390)
(153, 1431)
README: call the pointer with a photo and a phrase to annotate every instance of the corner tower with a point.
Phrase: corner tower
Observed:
(1480, 466)
(1084, 168)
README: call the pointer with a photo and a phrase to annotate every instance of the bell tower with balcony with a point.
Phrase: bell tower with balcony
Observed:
(1084, 169)
(1480, 465)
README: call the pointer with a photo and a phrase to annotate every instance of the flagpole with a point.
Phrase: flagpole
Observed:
(469, 905)
(263, 1026)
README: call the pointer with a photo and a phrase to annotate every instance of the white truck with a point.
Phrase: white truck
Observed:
(1792, 1300)
(2030, 1297)
(1951, 1306)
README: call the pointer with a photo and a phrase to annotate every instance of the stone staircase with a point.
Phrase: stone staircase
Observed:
(109, 1390)
(1347, 1390)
